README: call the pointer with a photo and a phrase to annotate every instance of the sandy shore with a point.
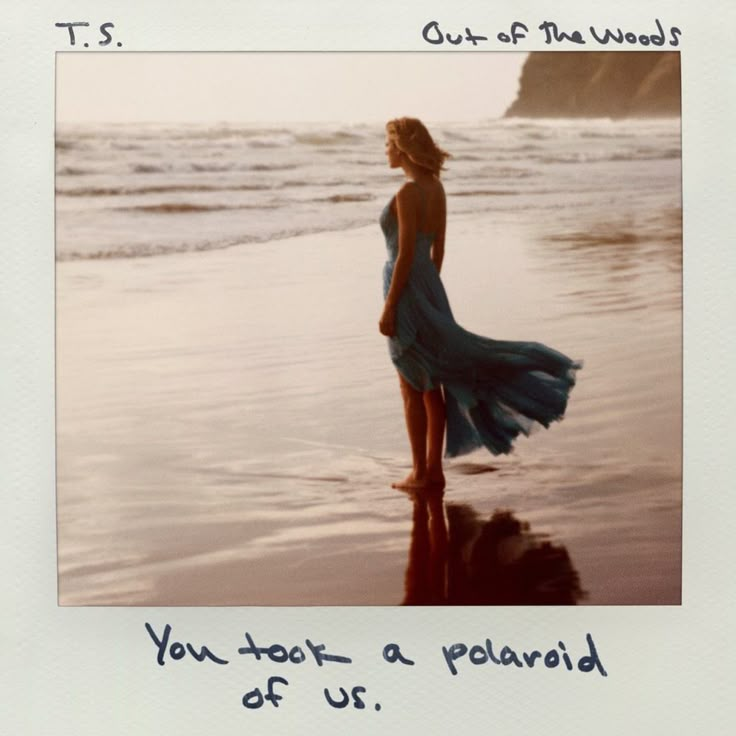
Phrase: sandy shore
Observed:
(229, 422)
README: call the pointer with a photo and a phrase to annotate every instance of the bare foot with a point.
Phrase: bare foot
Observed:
(436, 481)
(411, 482)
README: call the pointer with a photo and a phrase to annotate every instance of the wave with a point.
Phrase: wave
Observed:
(148, 250)
(327, 138)
(616, 237)
(485, 193)
(648, 154)
(138, 250)
(214, 168)
(608, 134)
(653, 123)
(336, 198)
(169, 208)
(585, 158)
(274, 141)
(172, 208)
(542, 134)
(366, 162)
(123, 191)
(161, 189)
(63, 144)
(511, 172)
(256, 137)
(155, 132)
(289, 183)
(148, 169)
(125, 146)
(525, 148)
(73, 171)
(453, 135)
(269, 167)
(223, 168)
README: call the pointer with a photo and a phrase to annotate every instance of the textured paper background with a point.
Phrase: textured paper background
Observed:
(92, 671)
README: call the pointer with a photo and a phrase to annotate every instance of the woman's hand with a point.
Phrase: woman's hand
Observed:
(387, 323)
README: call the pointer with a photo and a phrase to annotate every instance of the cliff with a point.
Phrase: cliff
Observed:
(598, 84)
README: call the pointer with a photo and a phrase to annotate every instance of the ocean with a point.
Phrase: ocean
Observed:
(140, 190)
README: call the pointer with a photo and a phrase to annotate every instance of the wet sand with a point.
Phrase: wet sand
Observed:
(229, 422)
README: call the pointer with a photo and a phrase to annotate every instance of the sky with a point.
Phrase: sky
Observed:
(350, 87)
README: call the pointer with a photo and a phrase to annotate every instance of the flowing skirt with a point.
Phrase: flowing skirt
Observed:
(494, 389)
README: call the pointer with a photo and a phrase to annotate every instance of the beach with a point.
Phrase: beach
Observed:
(229, 421)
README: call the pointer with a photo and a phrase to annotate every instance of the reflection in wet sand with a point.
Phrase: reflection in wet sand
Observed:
(457, 558)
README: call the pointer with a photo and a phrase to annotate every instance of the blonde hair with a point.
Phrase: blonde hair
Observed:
(411, 138)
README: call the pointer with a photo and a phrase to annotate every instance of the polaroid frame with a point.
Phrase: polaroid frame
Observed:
(94, 670)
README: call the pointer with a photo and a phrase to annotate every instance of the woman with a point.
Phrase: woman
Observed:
(485, 391)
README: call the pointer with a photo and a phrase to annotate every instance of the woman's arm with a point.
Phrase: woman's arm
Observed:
(406, 215)
(438, 246)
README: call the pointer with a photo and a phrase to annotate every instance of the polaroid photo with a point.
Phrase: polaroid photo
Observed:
(365, 369)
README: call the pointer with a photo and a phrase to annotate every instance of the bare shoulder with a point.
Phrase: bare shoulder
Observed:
(408, 195)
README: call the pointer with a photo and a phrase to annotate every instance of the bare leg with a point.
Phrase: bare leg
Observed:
(416, 427)
(434, 405)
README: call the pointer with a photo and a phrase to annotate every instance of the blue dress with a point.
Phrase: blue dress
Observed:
(494, 389)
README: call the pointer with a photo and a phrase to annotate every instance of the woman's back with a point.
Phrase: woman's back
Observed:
(428, 200)
(431, 210)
